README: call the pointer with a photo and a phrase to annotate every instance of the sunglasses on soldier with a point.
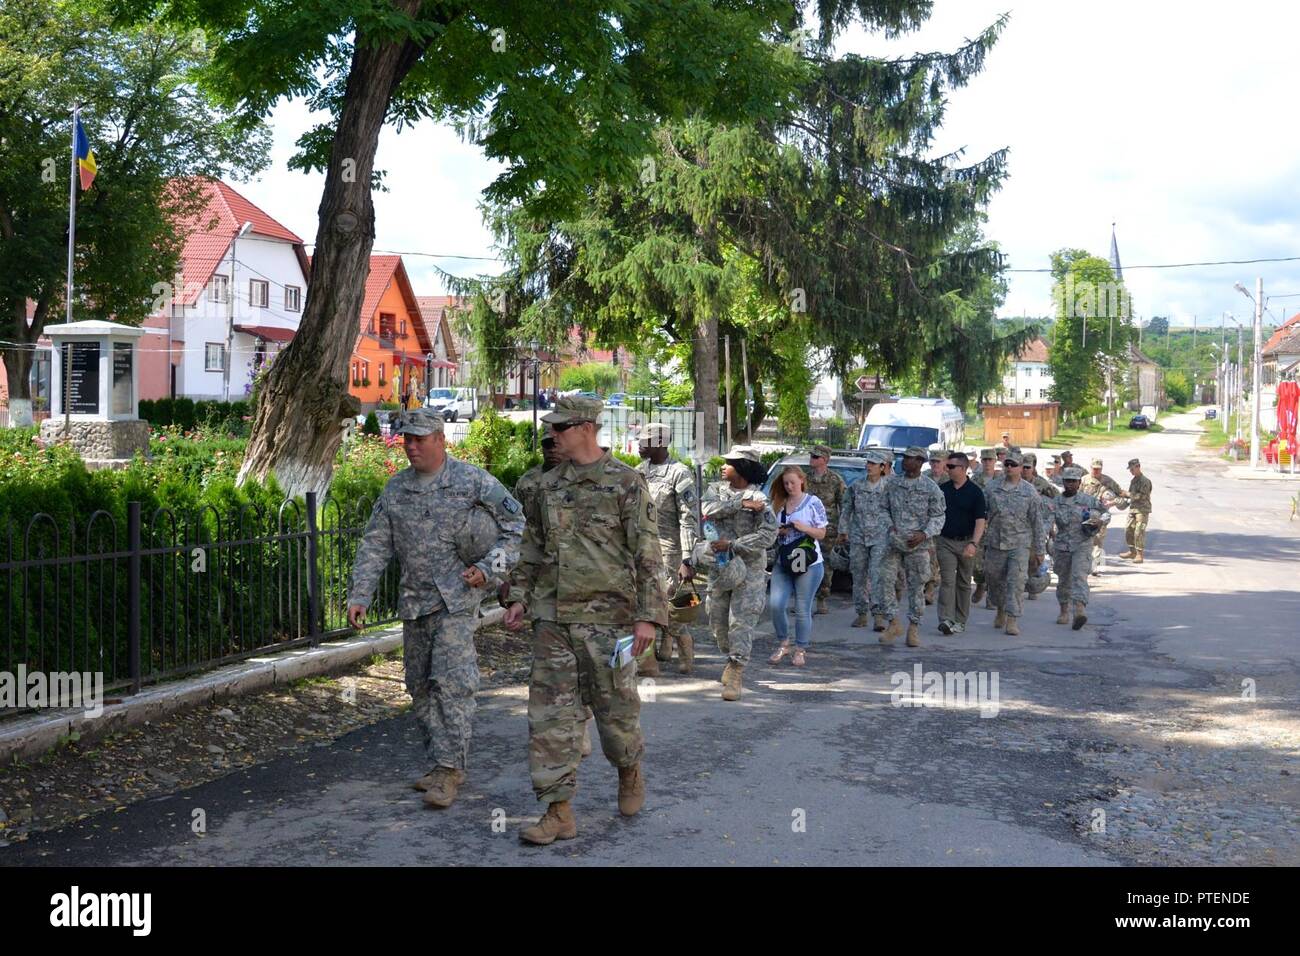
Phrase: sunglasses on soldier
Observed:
(565, 426)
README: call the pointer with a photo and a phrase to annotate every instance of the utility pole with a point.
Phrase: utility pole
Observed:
(1239, 381)
(749, 416)
(1255, 390)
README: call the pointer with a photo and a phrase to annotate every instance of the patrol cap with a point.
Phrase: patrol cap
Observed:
(1013, 458)
(1067, 454)
(915, 451)
(1134, 461)
(1029, 458)
(1000, 450)
(822, 451)
(656, 435)
(988, 454)
(938, 452)
(1016, 449)
(1056, 459)
(1006, 434)
(575, 408)
(1072, 473)
(420, 421)
(743, 453)
(548, 433)
(881, 456)
(1096, 463)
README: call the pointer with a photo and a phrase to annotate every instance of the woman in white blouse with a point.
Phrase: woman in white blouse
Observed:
(799, 567)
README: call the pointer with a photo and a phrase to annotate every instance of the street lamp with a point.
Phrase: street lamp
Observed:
(230, 311)
(1255, 390)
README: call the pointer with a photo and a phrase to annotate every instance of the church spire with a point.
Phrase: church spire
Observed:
(1114, 256)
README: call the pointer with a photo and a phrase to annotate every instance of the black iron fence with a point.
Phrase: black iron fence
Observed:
(156, 596)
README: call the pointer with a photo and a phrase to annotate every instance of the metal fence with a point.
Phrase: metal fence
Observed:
(153, 597)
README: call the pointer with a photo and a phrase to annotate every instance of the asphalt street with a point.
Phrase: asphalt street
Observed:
(1164, 732)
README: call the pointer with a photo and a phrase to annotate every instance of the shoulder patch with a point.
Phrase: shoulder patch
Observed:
(688, 495)
(511, 504)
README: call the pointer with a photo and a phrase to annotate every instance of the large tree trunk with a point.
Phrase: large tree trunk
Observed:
(297, 426)
(706, 385)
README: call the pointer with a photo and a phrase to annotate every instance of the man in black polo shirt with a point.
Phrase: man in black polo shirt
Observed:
(958, 543)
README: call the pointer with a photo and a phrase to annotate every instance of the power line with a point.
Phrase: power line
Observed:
(1186, 265)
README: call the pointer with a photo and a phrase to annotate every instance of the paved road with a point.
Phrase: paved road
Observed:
(1126, 742)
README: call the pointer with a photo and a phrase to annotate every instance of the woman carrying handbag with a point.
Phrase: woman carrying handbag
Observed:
(798, 570)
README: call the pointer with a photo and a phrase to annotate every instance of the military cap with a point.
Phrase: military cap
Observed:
(988, 454)
(1072, 473)
(937, 451)
(1067, 454)
(656, 435)
(575, 408)
(1013, 458)
(743, 453)
(1096, 463)
(881, 456)
(822, 451)
(1134, 461)
(1016, 449)
(548, 432)
(1000, 450)
(1006, 434)
(1029, 458)
(915, 451)
(1056, 459)
(419, 421)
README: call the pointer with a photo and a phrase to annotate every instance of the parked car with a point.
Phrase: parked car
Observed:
(1211, 413)
(1139, 421)
(453, 403)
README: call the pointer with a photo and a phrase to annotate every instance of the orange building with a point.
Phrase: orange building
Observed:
(392, 341)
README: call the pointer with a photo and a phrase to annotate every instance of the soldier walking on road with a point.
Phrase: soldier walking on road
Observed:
(988, 472)
(1107, 491)
(1139, 502)
(916, 511)
(1016, 535)
(830, 489)
(589, 571)
(1036, 584)
(672, 488)
(452, 527)
(740, 527)
(1076, 518)
(864, 524)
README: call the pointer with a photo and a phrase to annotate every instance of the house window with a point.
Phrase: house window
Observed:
(403, 328)
(381, 374)
(214, 357)
(356, 374)
(259, 293)
(219, 289)
(1042, 393)
(365, 372)
(387, 325)
(1029, 392)
(292, 298)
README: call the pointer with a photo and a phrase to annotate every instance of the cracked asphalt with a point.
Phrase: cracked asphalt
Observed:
(1164, 732)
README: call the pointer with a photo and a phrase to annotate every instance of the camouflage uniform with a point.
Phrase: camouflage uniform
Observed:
(914, 504)
(421, 520)
(1104, 489)
(830, 488)
(589, 568)
(672, 488)
(1016, 527)
(1072, 553)
(982, 480)
(1139, 498)
(865, 518)
(1035, 585)
(734, 614)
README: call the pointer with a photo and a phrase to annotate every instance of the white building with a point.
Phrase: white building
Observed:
(242, 267)
(1028, 380)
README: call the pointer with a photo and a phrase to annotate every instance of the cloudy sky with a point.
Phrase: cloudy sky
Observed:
(1171, 119)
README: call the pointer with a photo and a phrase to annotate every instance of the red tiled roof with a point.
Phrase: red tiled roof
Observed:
(1283, 332)
(1035, 351)
(1286, 341)
(208, 233)
(269, 332)
(381, 273)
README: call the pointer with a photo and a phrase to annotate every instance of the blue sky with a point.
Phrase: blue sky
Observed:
(1172, 119)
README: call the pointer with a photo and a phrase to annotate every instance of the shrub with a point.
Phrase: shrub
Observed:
(371, 427)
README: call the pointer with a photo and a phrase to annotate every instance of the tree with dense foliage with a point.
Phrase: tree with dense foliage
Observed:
(1094, 326)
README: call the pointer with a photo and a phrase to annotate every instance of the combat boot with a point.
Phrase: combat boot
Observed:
(1012, 627)
(685, 654)
(1000, 618)
(913, 636)
(726, 672)
(978, 595)
(1080, 618)
(1064, 616)
(892, 633)
(664, 648)
(647, 667)
(1125, 554)
(731, 682)
(557, 824)
(878, 622)
(860, 621)
(585, 749)
(821, 606)
(1137, 557)
(988, 603)
(444, 782)
(631, 789)
(1031, 595)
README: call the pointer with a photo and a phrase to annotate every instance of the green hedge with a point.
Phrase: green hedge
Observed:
(187, 414)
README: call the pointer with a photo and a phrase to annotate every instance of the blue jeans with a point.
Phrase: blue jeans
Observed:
(803, 587)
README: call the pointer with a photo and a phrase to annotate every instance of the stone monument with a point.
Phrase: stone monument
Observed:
(95, 386)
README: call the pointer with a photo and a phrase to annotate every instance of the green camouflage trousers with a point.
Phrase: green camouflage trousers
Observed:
(914, 566)
(570, 673)
(1135, 533)
(1072, 569)
(734, 614)
(670, 635)
(441, 677)
(1006, 572)
(865, 562)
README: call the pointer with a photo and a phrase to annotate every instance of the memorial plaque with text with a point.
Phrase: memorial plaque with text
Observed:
(82, 377)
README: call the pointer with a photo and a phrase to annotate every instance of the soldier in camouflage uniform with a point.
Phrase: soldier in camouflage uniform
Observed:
(589, 571)
(1106, 490)
(431, 517)
(1138, 497)
(916, 509)
(864, 524)
(938, 473)
(672, 486)
(988, 472)
(829, 487)
(1072, 556)
(1035, 585)
(746, 527)
(1016, 536)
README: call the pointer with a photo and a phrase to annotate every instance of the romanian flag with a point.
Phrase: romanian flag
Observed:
(85, 158)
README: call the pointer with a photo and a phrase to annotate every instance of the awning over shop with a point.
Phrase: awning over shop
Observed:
(267, 333)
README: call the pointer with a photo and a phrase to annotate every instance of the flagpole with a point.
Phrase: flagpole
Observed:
(72, 241)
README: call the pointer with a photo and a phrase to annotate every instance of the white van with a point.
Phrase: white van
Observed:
(914, 421)
(453, 403)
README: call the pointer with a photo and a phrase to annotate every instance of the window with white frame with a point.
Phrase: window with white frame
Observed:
(381, 374)
(292, 298)
(1042, 393)
(1029, 393)
(259, 293)
(219, 288)
(214, 357)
